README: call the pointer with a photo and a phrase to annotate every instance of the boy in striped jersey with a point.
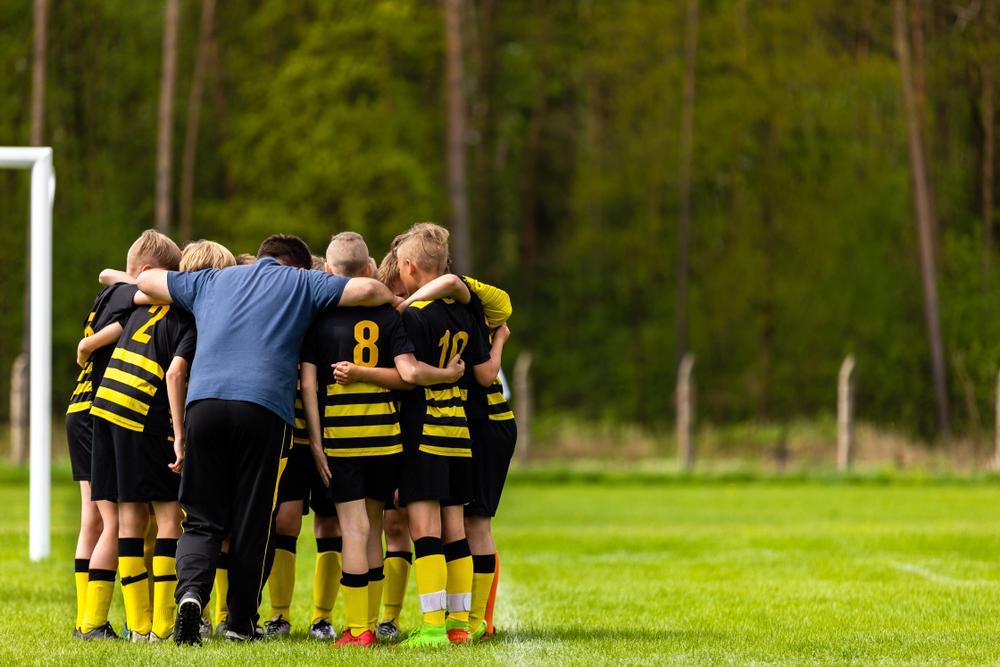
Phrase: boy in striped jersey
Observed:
(101, 330)
(356, 441)
(139, 446)
(494, 435)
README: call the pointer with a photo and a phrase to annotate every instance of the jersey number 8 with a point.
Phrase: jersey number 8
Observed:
(366, 335)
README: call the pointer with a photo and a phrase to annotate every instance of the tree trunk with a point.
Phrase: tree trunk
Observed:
(194, 118)
(20, 376)
(924, 210)
(164, 138)
(686, 153)
(455, 151)
(989, 133)
(484, 203)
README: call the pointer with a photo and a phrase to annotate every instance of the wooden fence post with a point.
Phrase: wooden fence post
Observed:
(845, 414)
(524, 404)
(18, 413)
(685, 412)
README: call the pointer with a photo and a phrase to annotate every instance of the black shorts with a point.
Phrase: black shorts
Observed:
(296, 480)
(131, 467)
(80, 438)
(359, 477)
(319, 497)
(447, 479)
(492, 449)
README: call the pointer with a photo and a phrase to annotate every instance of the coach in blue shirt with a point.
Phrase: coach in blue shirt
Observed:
(240, 411)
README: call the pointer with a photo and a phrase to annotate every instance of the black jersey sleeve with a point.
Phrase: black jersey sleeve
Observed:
(414, 325)
(310, 345)
(188, 342)
(120, 303)
(399, 342)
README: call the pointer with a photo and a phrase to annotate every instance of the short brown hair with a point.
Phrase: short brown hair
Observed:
(155, 249)
(318, 263)
(203, 254)
(287, 249)
(347, 254)
(427, 245)
(245, 258)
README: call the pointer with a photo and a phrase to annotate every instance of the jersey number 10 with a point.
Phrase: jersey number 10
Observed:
(458, 343)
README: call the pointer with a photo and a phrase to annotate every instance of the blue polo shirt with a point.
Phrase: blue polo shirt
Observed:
(251, 321)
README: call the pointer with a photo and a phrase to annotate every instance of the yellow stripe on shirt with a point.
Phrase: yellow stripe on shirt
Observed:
(123, 400)
(130, 380)
(138, 360)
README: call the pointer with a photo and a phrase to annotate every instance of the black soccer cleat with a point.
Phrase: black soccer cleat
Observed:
(103, 632)
(187, 627)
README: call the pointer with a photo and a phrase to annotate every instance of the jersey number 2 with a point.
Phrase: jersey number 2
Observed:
(157, 313)
(366, 335)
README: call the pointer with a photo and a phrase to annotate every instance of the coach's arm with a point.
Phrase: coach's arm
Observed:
(153, 282)
(361, 292)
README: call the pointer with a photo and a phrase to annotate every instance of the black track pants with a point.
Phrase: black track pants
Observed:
(235, 454)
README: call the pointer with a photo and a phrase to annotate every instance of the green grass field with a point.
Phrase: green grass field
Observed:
(683, 572)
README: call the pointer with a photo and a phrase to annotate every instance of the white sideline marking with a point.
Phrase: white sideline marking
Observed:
(942, 579)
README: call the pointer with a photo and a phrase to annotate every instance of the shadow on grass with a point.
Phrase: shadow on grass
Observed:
(596, 634)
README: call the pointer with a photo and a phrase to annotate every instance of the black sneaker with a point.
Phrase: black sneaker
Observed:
(103, 632)
(222, 627)
(233, 636)
(187, 627)
(322, 630)
(77, 634)
(277, 627)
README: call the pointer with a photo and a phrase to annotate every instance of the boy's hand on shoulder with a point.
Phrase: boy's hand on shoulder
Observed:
(344, 372)
(457, 368)
(502, 332)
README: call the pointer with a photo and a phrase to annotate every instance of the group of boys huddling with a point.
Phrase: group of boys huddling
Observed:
(401, 426)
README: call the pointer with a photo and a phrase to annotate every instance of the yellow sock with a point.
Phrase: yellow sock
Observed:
(281, 583)
(459, 566)
(326, 578)
(482, 581)
(221, 591)
(376, 580)
(164, 585)
(397, 573)
(135, 587)
(80, 567)
(100, 586)
(432, 578)
(355, 589)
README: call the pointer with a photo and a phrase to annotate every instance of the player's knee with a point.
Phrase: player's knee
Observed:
(326, 526)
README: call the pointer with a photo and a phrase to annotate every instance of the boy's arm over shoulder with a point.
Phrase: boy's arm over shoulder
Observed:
(155, 284)
(496, 302)
(447, 286)
(363, 292)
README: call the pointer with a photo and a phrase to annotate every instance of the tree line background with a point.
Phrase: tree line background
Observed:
(740, 179)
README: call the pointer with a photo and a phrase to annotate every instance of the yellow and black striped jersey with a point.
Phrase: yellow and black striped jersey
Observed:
(358, 419)
(490, 307)
(112, 305)
(434, 417)
(133, 393)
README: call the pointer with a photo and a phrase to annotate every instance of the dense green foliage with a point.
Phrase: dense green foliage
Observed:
(723, 573)
(324, 116)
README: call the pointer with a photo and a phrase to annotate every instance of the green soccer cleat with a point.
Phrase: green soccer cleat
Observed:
(479, 634)
(428, 635)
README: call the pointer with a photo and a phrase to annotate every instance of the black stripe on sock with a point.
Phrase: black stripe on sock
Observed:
(457, 549)
(285, 542)
(329, 544)
(101, 575)
(128, 581)
(222, 562)
(354, 580)
(485, 564)
(130, 547)
(427, 546)
(164, 577)
(81, 565)
(376, 574)
(165, 547)
(405, 555)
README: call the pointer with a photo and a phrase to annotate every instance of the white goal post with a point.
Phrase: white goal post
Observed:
(43, 190)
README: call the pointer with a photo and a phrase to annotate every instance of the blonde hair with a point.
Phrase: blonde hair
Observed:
(319, 263)
(204, 254)
(155, 249)
(425, 244)
(347, 254)
(245, 258)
